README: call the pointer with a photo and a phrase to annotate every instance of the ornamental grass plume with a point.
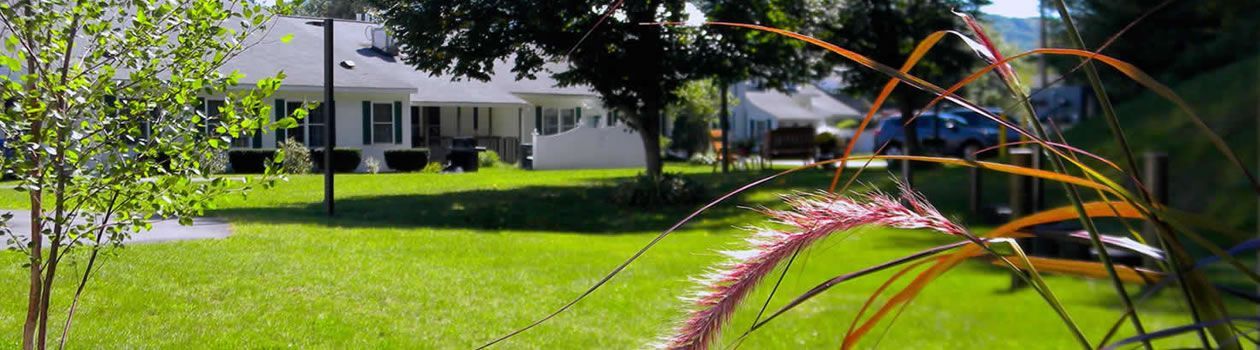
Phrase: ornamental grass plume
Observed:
(811, 217)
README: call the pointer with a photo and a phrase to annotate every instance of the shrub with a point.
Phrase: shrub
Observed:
(345, 160)
(432, 168)
(297, 158)
(488, 159)
(249, 161)
(216, 163)
(372, 165)
(669, 188)
(407, 159)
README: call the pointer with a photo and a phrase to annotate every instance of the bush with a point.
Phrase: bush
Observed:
(345, 160)
(432, 168)
(488, 159)
(297, 158)
(646, 191)
(407, 159)
(372, 165)
(250, 161)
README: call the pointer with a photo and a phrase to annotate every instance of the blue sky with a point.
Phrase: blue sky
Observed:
(1012, 8)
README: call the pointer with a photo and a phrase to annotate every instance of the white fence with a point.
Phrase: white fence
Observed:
(585, 147)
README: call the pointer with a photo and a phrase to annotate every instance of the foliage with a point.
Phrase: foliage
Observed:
(297, 158)
(693, 114)
(432, 168)
(372, 165)
(826, 141)
(636, 69)
(407, 160)
(102, 125)
(667, 189)
(1180, 41)
(847, 124)
(345, 160)
(343, 9)
(488, 159)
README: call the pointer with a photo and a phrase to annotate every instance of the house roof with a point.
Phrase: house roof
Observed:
(807, 103)
(303, 63)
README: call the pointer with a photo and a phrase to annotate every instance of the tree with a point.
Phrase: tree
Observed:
(637, 69)
(1177, 42)
(737, 54)
(886, 31)
(344, 9)
(696, 109)
(100, 123)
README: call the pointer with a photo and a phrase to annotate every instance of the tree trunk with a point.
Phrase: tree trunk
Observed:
(650, 132)
(911, 146)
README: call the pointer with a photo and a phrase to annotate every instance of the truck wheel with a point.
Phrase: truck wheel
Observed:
(969, 151)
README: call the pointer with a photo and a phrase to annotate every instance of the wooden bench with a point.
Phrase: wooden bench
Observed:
(789, 143)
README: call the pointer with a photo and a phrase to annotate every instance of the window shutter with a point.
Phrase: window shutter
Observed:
(398, 122)
(538, 119)
(578, 112)
(367, 122)
(201, 106)
(279, 113)
(257, 142)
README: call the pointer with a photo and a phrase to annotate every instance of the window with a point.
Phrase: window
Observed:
(382, 123)
(556, 120)
(568, 119)
(310, 130)
(213, 109)
(551, 121)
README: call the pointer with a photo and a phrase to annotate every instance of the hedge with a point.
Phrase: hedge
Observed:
(407, 159)
(345, 160)
(249, 161)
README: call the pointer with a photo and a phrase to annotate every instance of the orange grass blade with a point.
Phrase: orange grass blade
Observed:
(1093, 209)
(1001, 167)
(1089, 269)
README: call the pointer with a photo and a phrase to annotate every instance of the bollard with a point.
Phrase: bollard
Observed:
(976, 196)
(1021, 202)
(1155, 178)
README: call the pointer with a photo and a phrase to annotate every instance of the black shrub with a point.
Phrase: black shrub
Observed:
(345, 160)
(407, 159)
(249, 161)
(669, 189)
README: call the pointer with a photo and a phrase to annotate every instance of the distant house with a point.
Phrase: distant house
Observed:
(382, 103)
(761, 110)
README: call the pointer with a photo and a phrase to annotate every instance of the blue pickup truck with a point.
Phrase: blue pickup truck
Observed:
(956, 132)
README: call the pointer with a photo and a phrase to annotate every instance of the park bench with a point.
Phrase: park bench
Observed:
(789, 143)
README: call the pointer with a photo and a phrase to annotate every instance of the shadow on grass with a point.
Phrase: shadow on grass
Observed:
(584, 207)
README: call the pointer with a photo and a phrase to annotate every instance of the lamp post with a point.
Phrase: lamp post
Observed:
(330, 117)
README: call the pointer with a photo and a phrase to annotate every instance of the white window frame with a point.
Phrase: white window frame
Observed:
(305, 124)
(554, 120)
(375, 123)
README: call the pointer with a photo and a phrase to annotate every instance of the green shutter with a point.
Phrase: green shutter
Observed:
(278, 112)
(538, 120)
(367, 122)
(578, 112)
(398, 122)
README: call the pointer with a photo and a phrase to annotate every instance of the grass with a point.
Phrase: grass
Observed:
(450, 261)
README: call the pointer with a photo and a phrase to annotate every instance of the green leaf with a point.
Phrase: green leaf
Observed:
(286, 38)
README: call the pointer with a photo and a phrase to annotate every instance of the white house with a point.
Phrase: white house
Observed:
(761, 110)
(382, 103)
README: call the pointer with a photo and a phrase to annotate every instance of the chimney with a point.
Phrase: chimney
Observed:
(383, 42)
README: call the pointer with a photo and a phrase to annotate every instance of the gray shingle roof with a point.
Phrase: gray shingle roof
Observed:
(807, 103)
(302, 61)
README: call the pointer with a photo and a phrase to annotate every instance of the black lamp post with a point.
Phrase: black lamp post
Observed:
(330, 117)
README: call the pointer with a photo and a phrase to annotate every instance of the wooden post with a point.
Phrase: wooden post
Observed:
(1155, 177)
(976, 196)
(725, 121)
(1021, 201)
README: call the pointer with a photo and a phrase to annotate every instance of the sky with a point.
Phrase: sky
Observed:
(1012, 8)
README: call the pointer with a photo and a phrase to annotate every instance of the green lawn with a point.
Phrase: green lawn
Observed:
(451, 261)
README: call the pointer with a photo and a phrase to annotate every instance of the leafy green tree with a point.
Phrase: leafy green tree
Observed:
(1177, 42)
(100, 123)
(637, 69)
(887, 31)
(344, 9)
(693, 114)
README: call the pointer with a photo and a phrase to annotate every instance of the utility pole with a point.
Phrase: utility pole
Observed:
(330, 117)
(725, 122)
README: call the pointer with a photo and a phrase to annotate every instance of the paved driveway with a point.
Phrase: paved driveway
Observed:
(163, 230)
